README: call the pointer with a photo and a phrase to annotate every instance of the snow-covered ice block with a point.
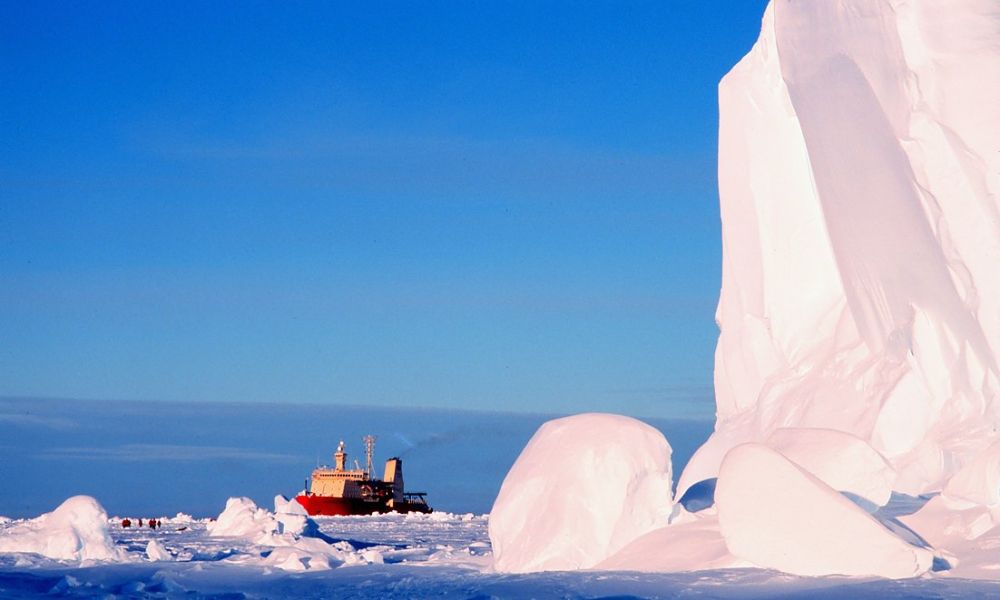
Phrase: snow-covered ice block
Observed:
(583, 487)
(285, 506)
(156, 552)
(296, 541)
(778, 516)
(243, 518)
(76, 530)
(842, 461)
(293, 518)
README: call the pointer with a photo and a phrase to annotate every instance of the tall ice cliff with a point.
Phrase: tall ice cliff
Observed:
(859, 171)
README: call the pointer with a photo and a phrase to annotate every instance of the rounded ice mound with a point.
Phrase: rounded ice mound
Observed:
(778, 516)
(583, 488)
(76, 530)
(842, 461)
(242, 518)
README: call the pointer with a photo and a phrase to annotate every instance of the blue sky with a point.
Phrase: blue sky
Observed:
(494, 205)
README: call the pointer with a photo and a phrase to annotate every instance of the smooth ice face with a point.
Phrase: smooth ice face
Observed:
(838, 459)
(76, 530)
(776, 515)
(583, 487)
(860, 192)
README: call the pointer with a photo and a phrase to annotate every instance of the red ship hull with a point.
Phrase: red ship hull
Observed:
(330, 505)
(333, 506)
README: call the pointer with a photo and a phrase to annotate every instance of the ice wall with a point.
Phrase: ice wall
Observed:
(859, 170)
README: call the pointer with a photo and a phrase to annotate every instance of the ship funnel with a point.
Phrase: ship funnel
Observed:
(394, 475)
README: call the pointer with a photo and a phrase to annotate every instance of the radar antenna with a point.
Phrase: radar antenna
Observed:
(369, 455)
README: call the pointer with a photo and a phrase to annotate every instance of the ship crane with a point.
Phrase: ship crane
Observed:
(369, 441)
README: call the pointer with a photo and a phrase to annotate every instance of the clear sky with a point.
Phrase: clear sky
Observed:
(496, 205)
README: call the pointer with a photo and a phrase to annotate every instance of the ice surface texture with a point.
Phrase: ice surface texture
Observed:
(859, 174)
(584, 487)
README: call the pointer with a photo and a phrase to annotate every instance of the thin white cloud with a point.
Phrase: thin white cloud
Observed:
(29, 420)
(168, 452)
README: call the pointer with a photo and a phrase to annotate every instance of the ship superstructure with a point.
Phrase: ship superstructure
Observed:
(342, 491)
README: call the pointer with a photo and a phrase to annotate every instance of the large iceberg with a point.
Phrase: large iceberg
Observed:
(859, 174)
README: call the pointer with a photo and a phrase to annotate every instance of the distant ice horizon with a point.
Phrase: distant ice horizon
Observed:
(159, 457)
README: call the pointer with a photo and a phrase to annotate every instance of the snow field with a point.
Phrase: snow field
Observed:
(440, 555)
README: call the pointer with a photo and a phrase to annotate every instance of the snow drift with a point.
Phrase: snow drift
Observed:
(583, 487)
(76, 530)
(859, 178)
(692, 544)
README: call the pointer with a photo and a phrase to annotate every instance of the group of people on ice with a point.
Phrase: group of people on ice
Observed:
(152, 523)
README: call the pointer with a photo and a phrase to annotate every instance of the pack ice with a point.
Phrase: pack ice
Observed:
(859, 171)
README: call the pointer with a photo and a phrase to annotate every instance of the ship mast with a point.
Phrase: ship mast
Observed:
(340, 457)
(369, 455)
